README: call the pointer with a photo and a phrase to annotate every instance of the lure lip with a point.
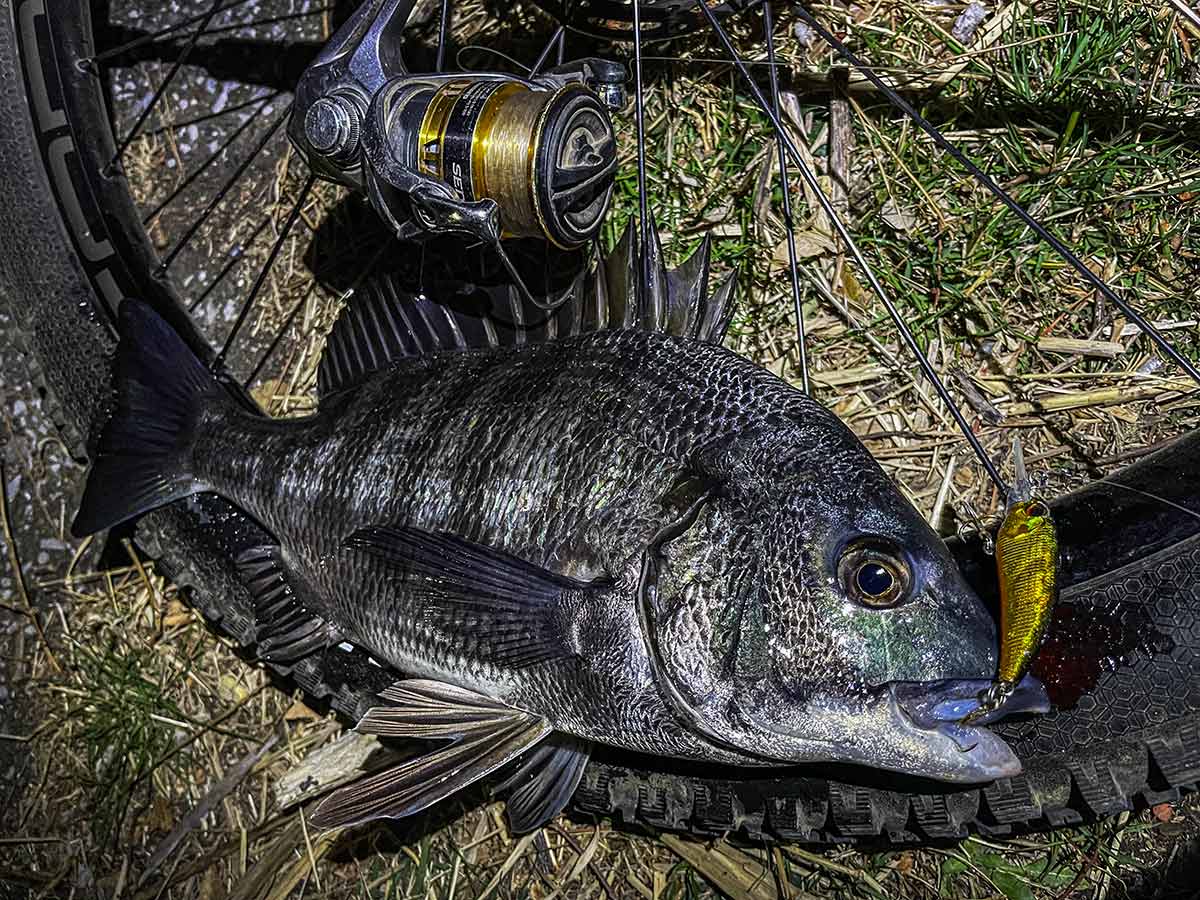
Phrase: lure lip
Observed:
(1021, 489)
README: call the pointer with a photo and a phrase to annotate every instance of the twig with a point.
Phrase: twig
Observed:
(194, 817)
(312, 859)
(14, 560)
(591, 863)
(841, 142)
(821, 862)
(939, 504)
(1113, 848)
(974, 396)
(1192, 17)
(206, 862)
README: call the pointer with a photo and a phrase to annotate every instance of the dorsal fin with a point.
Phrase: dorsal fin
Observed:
(384, 322)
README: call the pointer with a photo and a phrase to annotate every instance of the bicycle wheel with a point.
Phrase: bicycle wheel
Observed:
(90, 152)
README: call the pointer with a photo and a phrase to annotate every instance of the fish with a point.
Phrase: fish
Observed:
(561, 529)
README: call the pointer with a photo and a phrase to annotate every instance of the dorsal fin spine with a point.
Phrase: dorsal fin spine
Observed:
(383, 322)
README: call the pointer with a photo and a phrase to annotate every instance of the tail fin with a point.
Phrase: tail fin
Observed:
(142, 461)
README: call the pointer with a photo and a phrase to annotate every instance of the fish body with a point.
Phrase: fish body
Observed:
(572, 455)
(621, 536)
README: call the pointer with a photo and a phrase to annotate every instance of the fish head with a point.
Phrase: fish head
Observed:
(840, 627)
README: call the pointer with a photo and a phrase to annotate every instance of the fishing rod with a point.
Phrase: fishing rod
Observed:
(793, 267)
(826, 204)
(1007, 199)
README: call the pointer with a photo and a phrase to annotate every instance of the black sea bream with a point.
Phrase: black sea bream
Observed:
(620, 533)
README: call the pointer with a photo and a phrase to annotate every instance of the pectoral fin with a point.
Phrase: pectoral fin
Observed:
(515, 613)
(485, 735)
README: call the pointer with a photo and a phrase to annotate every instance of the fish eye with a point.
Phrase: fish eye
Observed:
(874, 574)
(874, 579)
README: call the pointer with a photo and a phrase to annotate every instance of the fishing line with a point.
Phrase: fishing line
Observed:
(489, 51)
(643, 249)
(986, 180)
(1150, 496)
(843, 232)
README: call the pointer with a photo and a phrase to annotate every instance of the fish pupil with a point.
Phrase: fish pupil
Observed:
(874, 579)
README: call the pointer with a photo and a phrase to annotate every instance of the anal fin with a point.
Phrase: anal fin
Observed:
(485, 734)
(285, 628)
(544, 782)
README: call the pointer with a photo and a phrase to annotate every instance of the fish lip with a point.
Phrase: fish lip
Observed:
(944, 750)
(985, 756)
(936, 703)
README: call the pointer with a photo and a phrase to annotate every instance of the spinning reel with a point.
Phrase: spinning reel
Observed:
(488, 155)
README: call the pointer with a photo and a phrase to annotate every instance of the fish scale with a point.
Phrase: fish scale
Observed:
(311, 518)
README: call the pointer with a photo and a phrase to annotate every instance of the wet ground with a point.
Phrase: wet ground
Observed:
(41, 484)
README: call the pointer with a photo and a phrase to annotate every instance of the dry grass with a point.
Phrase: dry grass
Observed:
(154, 722)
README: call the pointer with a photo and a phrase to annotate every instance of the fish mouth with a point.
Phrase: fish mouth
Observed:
(914, 728)
(934, 704)
(938, 709)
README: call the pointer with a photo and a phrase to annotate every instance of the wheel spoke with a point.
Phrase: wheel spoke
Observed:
(811, 179)
(1094, 280)
(278, 339)
(443, 35)
(272, 20)
(199, 170)
(143, 39)
(643, 249)
(166, 83)
(789, 223)
(226, 188)
(207, 117)
(248, 304)
(367, 271)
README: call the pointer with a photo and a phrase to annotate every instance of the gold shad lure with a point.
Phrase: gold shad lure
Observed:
(1027, 565)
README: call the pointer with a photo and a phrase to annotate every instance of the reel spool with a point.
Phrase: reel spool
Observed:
(546, 157)
(661, 19)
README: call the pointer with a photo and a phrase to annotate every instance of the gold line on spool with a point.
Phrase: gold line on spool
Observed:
(503, 172)
(484, 137)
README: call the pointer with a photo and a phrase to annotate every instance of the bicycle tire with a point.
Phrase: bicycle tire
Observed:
(75, 248)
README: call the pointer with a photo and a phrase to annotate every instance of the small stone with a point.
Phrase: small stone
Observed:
(804, 34)
(1163, 812)
(968, 22)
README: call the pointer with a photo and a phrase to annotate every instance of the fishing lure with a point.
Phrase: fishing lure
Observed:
(1027, 565)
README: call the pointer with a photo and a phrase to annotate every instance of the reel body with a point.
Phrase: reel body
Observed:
(545, 156)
